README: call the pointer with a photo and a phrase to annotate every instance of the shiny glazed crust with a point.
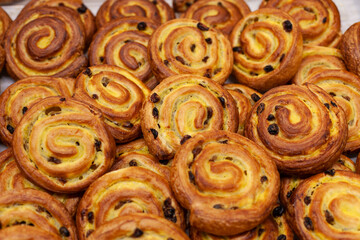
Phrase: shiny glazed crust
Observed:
(26, 233)
(228, 182)
(63, 145)
(118, 94)
(301, 127)
(126, 191)
(267, 46)
(182, 106)
(5, 21)
(350, 49)
(23, 94)
(123, 43)
(32, 48)
(186, 46)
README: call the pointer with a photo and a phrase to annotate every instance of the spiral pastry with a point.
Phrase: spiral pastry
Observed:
(118, 94)
(319, 20)
(245, 98)
(22, 95)
(222, 15)
(181, 106)
(136, 154)
(87, 18)
(186, 46)
(301, 127)
(26, 233)
(37, 209)
(182, 5)
(156, 10)
(316, 59)
(267, 46)
(126, 191)
(5, 21)
(221, 177)
(350, 49)
(63, 145)
(45, 41)
(123, 43)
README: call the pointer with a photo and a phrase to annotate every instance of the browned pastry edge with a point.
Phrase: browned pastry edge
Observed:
(349, 47)
(22, 232)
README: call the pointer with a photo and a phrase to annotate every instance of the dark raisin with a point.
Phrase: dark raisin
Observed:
(62, 99)
(307, 200)
(167, 202)
(334, 104)
(208, 73)
(341, 162)
(254, 74)
(330, 172)
(180, 59)
(217, 70)
(141, 26)
(121, 203)
(192, 48)
(308, 9)
(327, 105)
(191, 177)
(287, 25)
(102, 59)
(97, 145)
(223, 141)
(30, 224)
(261, 231)
(268, 68)
(154, 133)
(128, 124)
(166, 62)
(346, 97)
(87, 72)
(282, 57)
(184, 139)
(90, 217)
(209, 112)
(263, 179)
(82, 9)
(324, 19)
(188, 4)
(89, 232)
(164, 162)
(154, 98)
(281, 237)
(260, 108)
(54, 160)
(208, 40)
(329, 217)
(278, 211)
(64, 232)
(10, 129)
(270, 117)
(332, 94)
(273, 129)
(95, 96)
(169, 213)
(24, 110)
(219, 4)
(196, 151)
(61, 5)
(205, 59)
(155, 112)
(308, 224)
(133, 163)
(222, 101)
(218, 206)
(255, 97)
(105, 81)
(202, 27)
(234, 208)
(137, 233)
(238, 50)
(82, 214)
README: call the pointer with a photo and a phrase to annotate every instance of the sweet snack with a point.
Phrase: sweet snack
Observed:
(267, 46)
(32, 47)
(158, 11)
(139, 226)
(37, 209)
(5, 21)
(350, 49)
(301, 127)
(245, 98)
(187, 46)
(123, 43)
(118, 94)
(182, 106)
(222, 15)
(26, 233)
(222, 177)
(123, 192)
(23, 94)
(319, 20)
(63, 145)
(182, 5)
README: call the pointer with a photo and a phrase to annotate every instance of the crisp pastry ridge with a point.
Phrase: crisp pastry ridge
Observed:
(26, 233)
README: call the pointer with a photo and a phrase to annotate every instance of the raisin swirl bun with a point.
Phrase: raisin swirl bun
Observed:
(301, 127)
(126, 191)
(181, 106)
(316, 59)
(222, 15)
(144, 226)
(63, 145)
(156, 10)
(350, 49)
(123, 43)
(23, 94)
(5, 21)
(319, 20)
(267, 46)
(26, 233)
(245, 98)
(45, 41)
(228, 182)
(186, 46)
(37, 209)
(182, 5)
(118, 94)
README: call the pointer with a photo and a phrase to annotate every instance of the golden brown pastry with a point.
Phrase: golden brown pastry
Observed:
(5, 21)
(33, 49)
(123, 43)
(245, 98)
(37, 209)
(267, 46)
(156, 10)
(182, 5)
(316, 59)
(63, 145)
(301, 127)
(350, 49)
(143, 226)
(219, 14)
(182, 106)
(118, 94)
(123, 192)
(87, 18)
(22, 232)
(23, 94)
(186, 46)
(319, 20)
(227, 182)
(326, 206)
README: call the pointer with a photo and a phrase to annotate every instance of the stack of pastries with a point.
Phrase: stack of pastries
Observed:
(221, 124)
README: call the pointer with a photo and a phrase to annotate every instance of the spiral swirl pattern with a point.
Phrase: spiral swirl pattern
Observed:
(186, 46)
(118, 94)
(267, 47)
(301, 127)
(26, 233)
(158, 11)
(181, 106)
(126, 191)
(22, 95)
(319, 20)
(350, 49)
(62, 144)
(220, 177)
(45, 41)
(222, 15)
(5, 21)
(123, 43)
